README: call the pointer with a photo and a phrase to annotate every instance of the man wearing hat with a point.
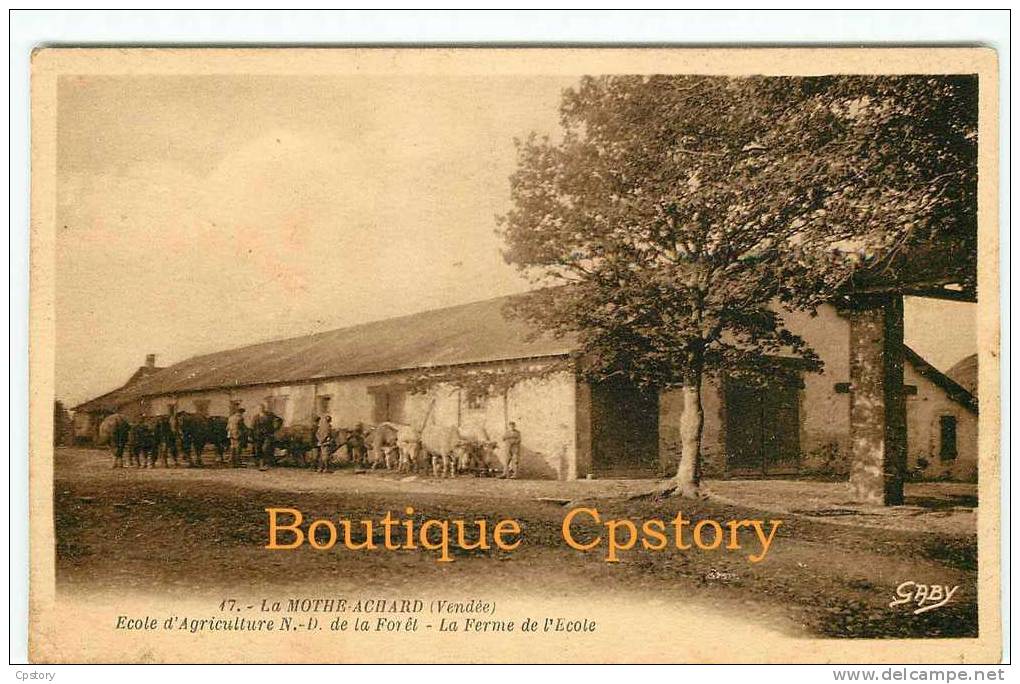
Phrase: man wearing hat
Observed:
(235, 432)
(324, 440)
(512, 444)
(264, 429)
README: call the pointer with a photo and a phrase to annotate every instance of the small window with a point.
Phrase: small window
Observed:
(474, 399)
(947, 437)
(322, 405)
(202, 407)
(388, 403)
(278, 404)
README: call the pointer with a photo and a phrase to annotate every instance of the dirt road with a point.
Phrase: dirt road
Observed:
(201, 531)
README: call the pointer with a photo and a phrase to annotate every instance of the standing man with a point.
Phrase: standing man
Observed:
(235, 432)
(264, 428)
(356, 444)
(512, 442)
(324, 440)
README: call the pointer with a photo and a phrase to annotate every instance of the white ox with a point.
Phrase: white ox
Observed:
(453, 450)
(385, 443)
(398, 446)
(450, 450)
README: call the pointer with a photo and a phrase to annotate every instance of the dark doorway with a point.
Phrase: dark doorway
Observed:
(762, 430)
(947, 437)
(388, 403)
(625, 430)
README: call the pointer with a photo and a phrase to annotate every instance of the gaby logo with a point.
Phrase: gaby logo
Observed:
(925, 596)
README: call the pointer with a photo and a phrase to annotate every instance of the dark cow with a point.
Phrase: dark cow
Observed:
(350, 446)
(216, 435)
(359, 445)
(142, 445)
(478, 457)
(298, 441)
(194, 432)
(264, 428)
(114, 431)
(167, 440)
(355, 441)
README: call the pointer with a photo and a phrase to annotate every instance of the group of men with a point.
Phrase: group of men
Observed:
(262, 434)
(324, 436)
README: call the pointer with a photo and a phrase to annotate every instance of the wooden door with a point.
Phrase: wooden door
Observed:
(781, 430)
(762, 430)
(744, 431)
(625, 430)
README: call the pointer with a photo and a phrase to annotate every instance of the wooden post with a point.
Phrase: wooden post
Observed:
(878, 414)
(582, 461)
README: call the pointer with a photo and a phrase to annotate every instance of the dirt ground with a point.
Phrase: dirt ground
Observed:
(832, 570)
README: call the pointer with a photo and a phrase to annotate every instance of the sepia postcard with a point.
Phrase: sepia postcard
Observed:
(546, 355)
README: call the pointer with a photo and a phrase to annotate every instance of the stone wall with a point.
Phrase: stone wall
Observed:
(824, 410)
(924, 412)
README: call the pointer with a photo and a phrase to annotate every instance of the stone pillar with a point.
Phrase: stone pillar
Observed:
(878, 412)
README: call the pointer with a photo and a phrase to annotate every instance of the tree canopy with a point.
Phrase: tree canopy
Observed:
(676, 217)
(675, 212)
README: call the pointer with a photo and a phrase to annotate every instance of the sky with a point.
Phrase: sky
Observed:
(199, 213)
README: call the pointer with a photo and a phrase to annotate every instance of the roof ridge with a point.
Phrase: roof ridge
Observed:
(467, 333)
(356, 326)
(133, 380)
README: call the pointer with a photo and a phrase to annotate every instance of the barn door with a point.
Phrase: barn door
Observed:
(762, 430)
(744, 431)
(625, 430)
(781, 433)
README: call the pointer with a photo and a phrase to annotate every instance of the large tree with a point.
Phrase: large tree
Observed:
(675, 216)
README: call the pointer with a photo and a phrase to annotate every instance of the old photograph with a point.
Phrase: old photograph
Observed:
(396, 355)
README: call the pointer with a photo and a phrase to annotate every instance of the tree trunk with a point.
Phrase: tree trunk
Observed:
(688, 472)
